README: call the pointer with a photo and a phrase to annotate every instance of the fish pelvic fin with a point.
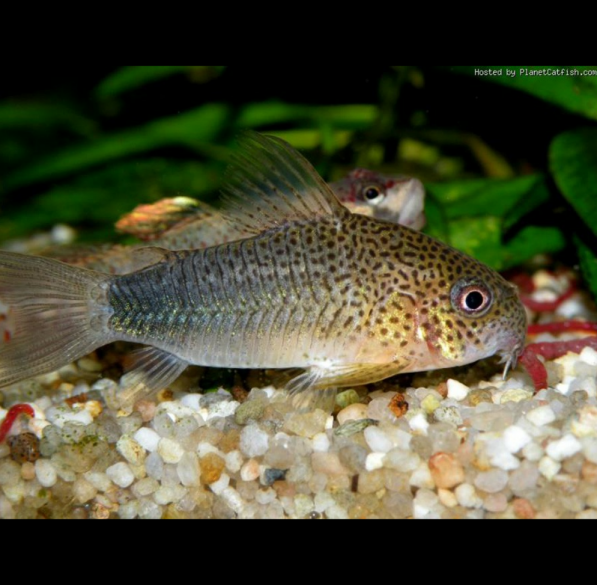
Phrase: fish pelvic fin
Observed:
(59, 313)
(270, 185)
(152, 370)
(317, 386)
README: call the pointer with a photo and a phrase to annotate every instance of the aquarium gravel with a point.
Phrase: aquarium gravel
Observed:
(459, 443)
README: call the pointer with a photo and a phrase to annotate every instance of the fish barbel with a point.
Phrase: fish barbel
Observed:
(348, 298)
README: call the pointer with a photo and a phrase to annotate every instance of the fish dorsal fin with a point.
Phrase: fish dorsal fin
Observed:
(270, 185)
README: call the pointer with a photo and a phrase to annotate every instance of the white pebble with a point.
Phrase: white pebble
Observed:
(548, 467)
(188, 470)
(377, 440)
(147, 438)
(100, 481)
(418, 423)
(589, 356)
(234, 461)
(323, 501)
(567, 446)
(217, 487)
(45, 473)
(590, 449)
(253, 441)
(467, 496)
(169, 450)
(220, 409)
(505, 461)
(491, 481)
(457, 390)
(145, 487)
(250, 470)
(321, 442)
(424, 504)
(336, 513)
(121, 474)
(265, 496)
(191, 401)
(233, 499)
(543, 415)
(60, 415)
(533, 452)
(374, 461)
(515, 439)
(165, 495)
(422, 477)
(204, 448)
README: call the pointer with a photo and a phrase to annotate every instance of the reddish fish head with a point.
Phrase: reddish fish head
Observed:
(397, 199)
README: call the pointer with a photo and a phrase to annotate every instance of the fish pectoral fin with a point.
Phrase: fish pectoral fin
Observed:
(152, 370)
(316, 387)
(269, 185)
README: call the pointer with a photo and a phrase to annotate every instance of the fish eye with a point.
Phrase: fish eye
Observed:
(373, 194)
(471, 297)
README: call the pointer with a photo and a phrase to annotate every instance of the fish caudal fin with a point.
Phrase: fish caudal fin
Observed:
(57, 312)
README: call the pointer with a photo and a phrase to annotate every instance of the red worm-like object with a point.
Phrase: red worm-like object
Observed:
(550, 351)
(11, 416)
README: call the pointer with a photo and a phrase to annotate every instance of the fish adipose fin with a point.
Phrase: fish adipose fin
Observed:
(313, 388)
(270, 184)
(58, 314)
(152, 370)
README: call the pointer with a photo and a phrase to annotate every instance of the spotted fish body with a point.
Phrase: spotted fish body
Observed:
(348, 298)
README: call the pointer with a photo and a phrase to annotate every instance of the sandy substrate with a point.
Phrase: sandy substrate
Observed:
(458, 443)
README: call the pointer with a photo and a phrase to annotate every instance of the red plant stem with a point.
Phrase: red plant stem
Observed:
(561, 326)
(11, 416)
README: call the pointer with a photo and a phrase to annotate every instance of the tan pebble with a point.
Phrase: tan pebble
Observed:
(476, 397)
(523, 509)
(94, 408)
(495, 503)
(371, 481)
(66, 387)
(589, 472)
(28, 471)
(284, 489)
(352, 412)
(338, 483)
(327, 463)
(89, 365)
(446, 470)
(230, 441)
(212, 466)
(447, 498)
(442, 388)
(146, 408)
(250, 470)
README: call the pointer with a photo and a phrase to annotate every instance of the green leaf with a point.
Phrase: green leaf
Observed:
(509, 199)
(529, 242)
(128, 78)
(481, 238)
(573, 161)
(349, 117)
(97, 199)
(190, 128)
(588, 265)
(565, 86)
(36, 116)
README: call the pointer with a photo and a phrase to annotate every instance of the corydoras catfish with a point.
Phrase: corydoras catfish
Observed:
(348, 298)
